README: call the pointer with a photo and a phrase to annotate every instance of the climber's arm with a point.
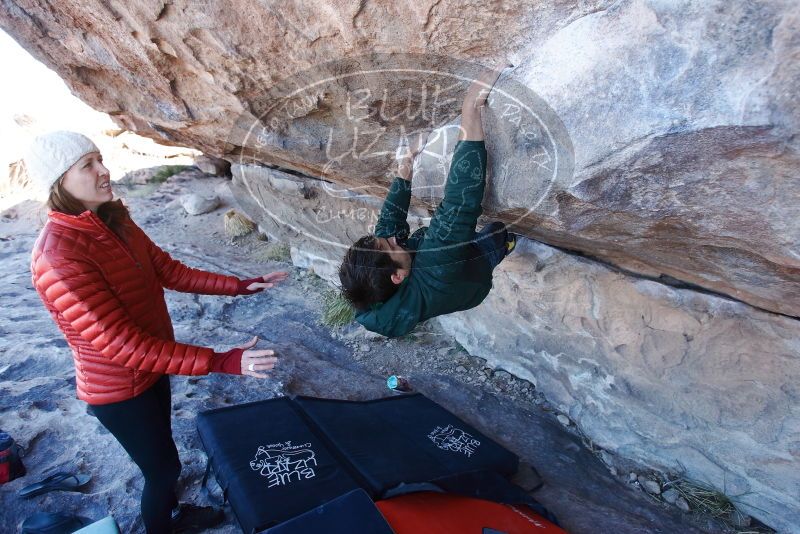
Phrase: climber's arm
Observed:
(474, 100)
(454, 221)
(394, 212)
(392, 219)
(471, 127)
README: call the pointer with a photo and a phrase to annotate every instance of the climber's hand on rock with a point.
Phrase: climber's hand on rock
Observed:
(406, 153)
(480, 88)
(418, 145)
(478, 92)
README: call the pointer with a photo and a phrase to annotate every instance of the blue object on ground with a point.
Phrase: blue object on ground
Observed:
(53, 523)
(107, 525)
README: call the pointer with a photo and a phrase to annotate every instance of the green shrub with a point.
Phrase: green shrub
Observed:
(165, 172)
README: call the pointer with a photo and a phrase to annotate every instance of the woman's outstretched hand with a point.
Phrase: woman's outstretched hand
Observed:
(244, 361)
(255, 362)
(254, 285)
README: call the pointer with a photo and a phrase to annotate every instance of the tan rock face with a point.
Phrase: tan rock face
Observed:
(660, 137)
(681, 119)
(183, 71)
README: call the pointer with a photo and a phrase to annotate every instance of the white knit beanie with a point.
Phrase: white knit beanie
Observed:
(52, 154)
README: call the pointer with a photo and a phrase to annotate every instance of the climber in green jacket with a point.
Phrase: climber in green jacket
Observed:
(395, 281)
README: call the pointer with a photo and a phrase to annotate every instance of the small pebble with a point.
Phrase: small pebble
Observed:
(650, 486)
(444, 351)
(364, 347)
(563, 419)
(682, 504)
(461, 369)
(670, 496)
(632, 477)
(366, 334)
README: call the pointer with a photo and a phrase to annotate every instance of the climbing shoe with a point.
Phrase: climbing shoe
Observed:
(511, 243)
(188, 518)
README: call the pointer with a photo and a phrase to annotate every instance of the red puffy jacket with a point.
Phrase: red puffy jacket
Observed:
(107, 298)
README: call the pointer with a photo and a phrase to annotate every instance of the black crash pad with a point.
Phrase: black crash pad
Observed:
(279, 458)
(351, 513)
(405, 440)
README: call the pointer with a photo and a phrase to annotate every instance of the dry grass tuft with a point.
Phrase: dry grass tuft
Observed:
(273, 252)
(237, 225)
(336, 310)
(706, 500)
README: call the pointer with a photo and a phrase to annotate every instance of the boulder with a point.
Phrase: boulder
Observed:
(213, 166)
(670, 128)
(659, 138)
(681, 380)
(198, 205)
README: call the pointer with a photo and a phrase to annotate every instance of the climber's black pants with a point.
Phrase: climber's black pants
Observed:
(491, 241)
(143, 427)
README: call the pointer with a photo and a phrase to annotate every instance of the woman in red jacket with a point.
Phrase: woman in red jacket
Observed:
(102, 279)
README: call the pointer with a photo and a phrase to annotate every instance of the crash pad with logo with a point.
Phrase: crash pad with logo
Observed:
(405, 440)
(279, 458)
(269, 463)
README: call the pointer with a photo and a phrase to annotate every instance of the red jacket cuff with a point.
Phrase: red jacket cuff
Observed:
(227, 362)
(242, 289)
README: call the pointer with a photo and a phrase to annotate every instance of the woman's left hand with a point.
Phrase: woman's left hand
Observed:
(254, 285)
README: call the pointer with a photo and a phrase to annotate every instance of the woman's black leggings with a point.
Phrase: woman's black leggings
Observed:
(143, 427)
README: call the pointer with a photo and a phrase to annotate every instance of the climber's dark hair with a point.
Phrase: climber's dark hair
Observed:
(366, 274)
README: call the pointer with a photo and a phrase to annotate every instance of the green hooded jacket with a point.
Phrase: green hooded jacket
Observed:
(448, 274)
